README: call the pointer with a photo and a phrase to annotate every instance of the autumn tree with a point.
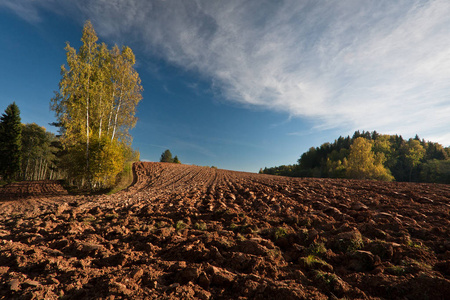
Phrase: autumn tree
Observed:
(95, 106)
(10, 142)
(383, 145)
(362, 163)
(414, 152)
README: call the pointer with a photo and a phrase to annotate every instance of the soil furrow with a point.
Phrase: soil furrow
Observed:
(188, 232)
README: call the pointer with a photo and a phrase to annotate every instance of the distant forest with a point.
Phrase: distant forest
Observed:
(370, 155)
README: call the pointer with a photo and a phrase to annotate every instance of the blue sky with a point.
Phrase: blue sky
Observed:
(246, 84)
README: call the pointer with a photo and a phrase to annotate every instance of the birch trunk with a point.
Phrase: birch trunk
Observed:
(111, 112)
(117, 112)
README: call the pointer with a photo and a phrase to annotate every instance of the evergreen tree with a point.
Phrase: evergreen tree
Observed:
(176, 160)
(10, 143)
(166, 156)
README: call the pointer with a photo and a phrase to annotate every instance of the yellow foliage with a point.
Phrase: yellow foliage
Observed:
(96, 106)
(362, 163)
(106, 161)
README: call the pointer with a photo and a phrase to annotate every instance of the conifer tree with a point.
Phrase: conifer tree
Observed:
(10, 143)
(166, 156)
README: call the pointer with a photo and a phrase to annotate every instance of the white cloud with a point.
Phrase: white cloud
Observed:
(23, 8)
(381, 65)
(30, 10)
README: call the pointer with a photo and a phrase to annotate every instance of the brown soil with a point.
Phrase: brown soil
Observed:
(200, 233)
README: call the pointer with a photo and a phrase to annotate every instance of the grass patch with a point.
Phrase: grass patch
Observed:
(317, 249)
(111, 216)
(310, 260)
(89, 220)
(418, 245)
(200, 226)
(314, 262)
(180, 225)
(350, 245)
(355, 244)
(124, 179)
(280, 232)
(240, 237)
(326, 278)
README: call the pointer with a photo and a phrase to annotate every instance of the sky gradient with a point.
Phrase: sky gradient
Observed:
(246, 84)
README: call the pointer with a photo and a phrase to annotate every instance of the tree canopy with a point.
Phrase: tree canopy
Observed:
(95, 107)
(371, 155)
(166, 156)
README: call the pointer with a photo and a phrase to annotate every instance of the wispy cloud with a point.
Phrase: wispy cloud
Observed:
(381, 65)
(31, 10)
(24, 9)
(191, 146)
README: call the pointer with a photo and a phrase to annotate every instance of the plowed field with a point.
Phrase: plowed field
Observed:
(187, 232)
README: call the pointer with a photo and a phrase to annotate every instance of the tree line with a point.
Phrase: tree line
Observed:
(95, 108)
(27, 151)
(370, 155)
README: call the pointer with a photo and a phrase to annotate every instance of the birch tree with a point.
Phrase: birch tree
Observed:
(126, 93)
(39, 149)
(95, 105)
(363, 163)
